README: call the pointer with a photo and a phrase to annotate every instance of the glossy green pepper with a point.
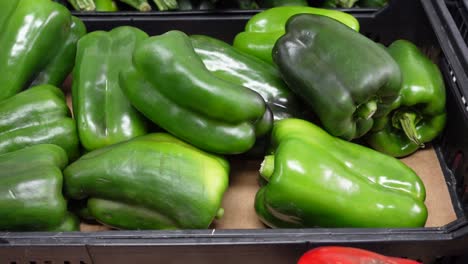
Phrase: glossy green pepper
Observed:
(38, 43)
(31, 189)
(346, 90)
(240, 68)
(265, 28)
(62, 64)
(168, 183)
(315, 179)
(38, 115)
(418, 115)
(171, 86)
(103, 114)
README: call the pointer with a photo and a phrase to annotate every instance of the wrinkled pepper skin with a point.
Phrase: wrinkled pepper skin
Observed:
(38, 115)
(103, 114)
(240, 68)
(33, 35)
(315, 179)
(418, 115)
(31, 188)
(348, 255)
(125, 216)
(169, 184)
(178, 93)
(346, 90)
(265, 28)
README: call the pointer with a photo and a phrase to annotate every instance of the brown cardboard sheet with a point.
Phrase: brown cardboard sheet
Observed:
(238, 201)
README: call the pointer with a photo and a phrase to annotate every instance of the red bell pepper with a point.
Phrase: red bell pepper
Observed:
(348, 255)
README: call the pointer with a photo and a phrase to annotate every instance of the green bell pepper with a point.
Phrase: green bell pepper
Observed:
(69, 223)
(38, 115)
(152, 181)
(178, 93)
(360, 85)
(35, 37)
(315, 179)
(265, 28)
(418, 115)
(237, 67)
(59, 67)
(240, 68)
(103, 114)
(31, 189)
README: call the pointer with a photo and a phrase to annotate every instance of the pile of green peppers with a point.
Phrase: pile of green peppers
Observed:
(184, 5)
(156, 119)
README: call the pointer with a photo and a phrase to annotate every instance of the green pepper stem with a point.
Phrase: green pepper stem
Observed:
(83, 5)
(267, 167)
(144, 7)
(164, 5)
(407, 121)
(219, 213)
(367, 110)
(141, 5)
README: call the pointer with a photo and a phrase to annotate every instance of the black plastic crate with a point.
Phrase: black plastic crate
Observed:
(450, 18)
(403, 19)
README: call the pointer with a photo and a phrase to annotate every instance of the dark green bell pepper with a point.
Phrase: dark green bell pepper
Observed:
(38, 115)
(31, 189)
(265, 28)
(346, 90)
(103, 114)
(315, 179)
(171, 86)
(37, 42)
(418, 115)
(152, 181)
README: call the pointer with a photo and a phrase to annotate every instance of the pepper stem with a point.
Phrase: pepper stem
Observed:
(267, 167)
(407, 121)
(367, 110)
(219, 213)
(83, 5)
